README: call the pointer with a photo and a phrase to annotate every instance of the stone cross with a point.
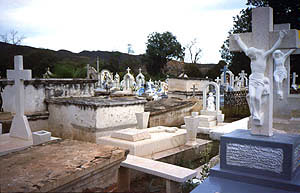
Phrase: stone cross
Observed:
(140, 70)
(128, 70)
(19, 127)
(194, 90)
(224, 70)
(294, 86)
(218, 80)
(263, 37)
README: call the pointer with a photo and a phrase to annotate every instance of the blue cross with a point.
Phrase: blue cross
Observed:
(224, 70)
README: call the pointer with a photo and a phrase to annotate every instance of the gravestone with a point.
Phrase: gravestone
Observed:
(20, 126)
(129, 82)
(140, 79)
(260, 41)
(258, 160)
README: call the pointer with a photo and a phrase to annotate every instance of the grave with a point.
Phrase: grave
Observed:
(62, 166)
(258, 160)
(87, 118)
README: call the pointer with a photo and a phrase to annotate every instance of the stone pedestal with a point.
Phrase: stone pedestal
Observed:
(131, 134)
(42, 136)
(192, 123)
(271, 162)
(142, 119)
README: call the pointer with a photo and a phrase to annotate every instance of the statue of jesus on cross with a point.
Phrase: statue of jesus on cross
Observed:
(258, 83)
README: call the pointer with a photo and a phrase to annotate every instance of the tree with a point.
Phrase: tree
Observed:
(161, 47)
(12, 37)
(192, 70)
(194, 51)
(216, 70)
(283, 11)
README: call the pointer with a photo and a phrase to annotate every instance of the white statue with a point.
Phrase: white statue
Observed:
(211, 102)
(280, 72)
(258, 83)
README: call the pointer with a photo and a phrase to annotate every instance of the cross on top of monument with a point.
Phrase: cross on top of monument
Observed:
(128, 70)
(224, 70)
(218, 80)
(19, 127)
(242, 74)
(263, 40)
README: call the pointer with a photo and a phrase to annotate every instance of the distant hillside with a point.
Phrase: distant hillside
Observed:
(38, 60)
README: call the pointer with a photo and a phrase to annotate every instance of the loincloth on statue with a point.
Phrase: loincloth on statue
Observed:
(281, 73)
(260, 81)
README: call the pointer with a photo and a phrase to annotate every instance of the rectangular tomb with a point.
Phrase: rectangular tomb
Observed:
(61, 166)
(86, 118)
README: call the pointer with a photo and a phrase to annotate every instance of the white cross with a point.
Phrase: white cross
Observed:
(243, 77)
(19, 127)
(294, 86)
(128, 70)
(218, 80)
(263, 37)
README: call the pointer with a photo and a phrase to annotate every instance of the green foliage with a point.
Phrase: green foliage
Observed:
(69, 69)
(283, 11)
(215, 71)
(192, 70)
(161, 47)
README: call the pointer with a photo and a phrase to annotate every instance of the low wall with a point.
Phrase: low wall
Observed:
(185, 85)
(37, 90)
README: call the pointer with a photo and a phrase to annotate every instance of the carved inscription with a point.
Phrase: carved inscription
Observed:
(251, 156)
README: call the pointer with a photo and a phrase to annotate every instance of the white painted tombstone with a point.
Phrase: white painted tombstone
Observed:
(294, 86)
(140, 79)
(20, 126)
(257, 45)
(128, 81)
(116, 82)
(142, 120)
(106, 78)
(227, 83)
(218, 81)
(192, 123)
(237, 84)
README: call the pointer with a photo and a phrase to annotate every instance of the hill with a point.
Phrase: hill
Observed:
(39, 59)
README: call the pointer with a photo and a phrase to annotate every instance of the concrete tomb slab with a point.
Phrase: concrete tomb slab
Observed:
(131, 134)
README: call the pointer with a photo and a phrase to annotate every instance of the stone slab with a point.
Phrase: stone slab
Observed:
(10, 144)
(207, 117)
(222, 185)
(212, 113)
(208, 123)
(159, 142)
(131, 134)
(277, 156)
(59, 165)
(161, 169)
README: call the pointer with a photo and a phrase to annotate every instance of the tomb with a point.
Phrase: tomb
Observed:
(86, 118)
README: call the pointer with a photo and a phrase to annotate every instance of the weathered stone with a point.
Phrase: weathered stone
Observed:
(131, 134)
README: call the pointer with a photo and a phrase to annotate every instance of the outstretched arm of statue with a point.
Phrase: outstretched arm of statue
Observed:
(240, 42)
(288, 53)
(282, 33)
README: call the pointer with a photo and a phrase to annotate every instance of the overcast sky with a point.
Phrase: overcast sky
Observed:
(110, 25)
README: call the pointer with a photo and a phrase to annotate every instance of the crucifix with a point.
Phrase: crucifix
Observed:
(194, 90)
(20, 126)
(294, 86)
(258, 46)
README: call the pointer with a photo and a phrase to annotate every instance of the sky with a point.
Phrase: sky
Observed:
(110, 25)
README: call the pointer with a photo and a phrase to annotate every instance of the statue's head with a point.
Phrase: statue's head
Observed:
(277, 54)
(251, 53)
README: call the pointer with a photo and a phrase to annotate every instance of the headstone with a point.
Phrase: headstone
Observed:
(140, 79)
(192, 123)
(129, 81)
(20, 126)
(257, 45)
(243, 78)
(142, 119)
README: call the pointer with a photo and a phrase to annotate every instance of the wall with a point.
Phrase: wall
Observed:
(185, 85)
(37, 90)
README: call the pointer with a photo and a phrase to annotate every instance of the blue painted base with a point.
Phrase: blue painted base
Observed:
(222, 185)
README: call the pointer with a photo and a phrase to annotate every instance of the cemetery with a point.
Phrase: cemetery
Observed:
(126, 132)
